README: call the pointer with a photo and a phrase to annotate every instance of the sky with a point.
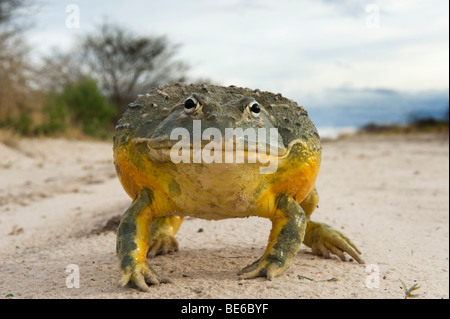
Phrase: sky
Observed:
(327, 55)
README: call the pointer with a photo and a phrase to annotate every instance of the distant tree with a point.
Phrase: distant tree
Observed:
(58, 70)
(125, 63)
(122, 62)
(9, 8)
(14, 67)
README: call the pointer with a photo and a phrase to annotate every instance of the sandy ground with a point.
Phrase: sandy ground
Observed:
(389, 194)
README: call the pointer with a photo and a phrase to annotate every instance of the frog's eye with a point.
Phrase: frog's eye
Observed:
(254, 109)
(190, 105)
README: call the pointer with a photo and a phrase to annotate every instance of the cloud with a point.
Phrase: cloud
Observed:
(350, 106)
(317, 52)
(352, 8)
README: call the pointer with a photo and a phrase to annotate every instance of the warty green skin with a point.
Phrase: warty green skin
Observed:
(157, 113)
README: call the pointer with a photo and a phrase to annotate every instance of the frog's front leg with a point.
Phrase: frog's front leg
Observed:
(132, 243)
(286, 236)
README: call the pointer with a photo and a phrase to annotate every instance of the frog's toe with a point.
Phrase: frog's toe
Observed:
(141, 276)
(250, 267)
(319, 249)
(162, 245)
(261, 268)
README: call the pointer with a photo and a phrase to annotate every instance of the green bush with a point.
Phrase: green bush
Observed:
(21, 123)
(80, 104)
(88, 107)
(54, 115)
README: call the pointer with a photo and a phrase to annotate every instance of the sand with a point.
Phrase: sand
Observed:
(389, 194)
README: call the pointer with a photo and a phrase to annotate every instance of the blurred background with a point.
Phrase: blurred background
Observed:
(70, 68)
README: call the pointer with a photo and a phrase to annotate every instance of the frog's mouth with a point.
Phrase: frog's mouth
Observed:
(221, 151)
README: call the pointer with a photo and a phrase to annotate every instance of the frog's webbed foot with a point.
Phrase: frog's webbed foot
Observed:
(141, 275)
(263, 267)
(286, 236)
(162, 246)
(325, 240)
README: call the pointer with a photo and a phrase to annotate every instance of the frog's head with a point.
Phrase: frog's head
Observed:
(187, 117)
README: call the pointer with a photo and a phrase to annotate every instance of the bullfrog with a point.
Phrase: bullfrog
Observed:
(215, 152)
